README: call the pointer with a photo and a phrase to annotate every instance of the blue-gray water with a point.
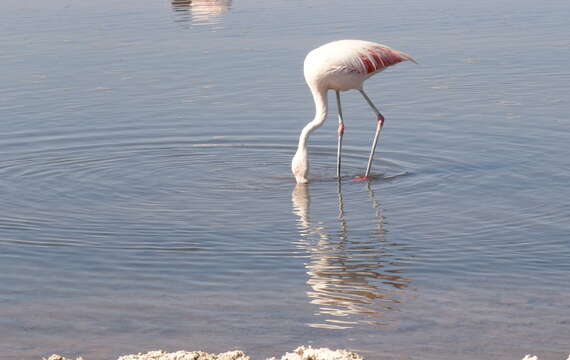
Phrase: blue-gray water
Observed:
(147, 201)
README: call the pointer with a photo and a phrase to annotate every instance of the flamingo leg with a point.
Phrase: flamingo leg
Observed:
(340, 133)
(379, 124)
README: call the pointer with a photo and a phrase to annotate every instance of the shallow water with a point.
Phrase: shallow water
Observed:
(147, 200)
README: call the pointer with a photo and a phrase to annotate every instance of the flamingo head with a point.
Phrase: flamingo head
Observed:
(300, 167)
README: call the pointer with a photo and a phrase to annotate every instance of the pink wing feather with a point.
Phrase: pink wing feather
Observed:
(376, 58)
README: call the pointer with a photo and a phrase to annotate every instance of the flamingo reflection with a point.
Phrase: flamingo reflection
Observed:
(353, 276)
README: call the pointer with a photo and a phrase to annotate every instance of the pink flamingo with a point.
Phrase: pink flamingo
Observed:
(341, 65)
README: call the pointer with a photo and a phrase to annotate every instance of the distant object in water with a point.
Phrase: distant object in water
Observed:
(203, 11)
(181, 3)
(341, 65)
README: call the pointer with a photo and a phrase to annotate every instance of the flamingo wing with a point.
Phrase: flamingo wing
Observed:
(365, 57)
(377, 58)
(373, 58)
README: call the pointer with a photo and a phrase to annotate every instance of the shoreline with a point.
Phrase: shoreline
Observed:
(301, 353)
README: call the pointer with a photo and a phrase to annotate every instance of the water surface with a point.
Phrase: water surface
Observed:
(147, 200)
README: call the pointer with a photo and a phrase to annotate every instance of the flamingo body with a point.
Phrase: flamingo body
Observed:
(339, 65)
(345, 64)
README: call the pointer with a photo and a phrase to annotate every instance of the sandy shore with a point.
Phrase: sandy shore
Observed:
(301, 353)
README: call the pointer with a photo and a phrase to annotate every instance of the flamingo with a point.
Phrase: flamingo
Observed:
(341, 66)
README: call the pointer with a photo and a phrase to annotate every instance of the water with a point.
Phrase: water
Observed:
(147, 200)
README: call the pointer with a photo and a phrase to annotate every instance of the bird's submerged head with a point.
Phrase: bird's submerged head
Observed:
(300, 167)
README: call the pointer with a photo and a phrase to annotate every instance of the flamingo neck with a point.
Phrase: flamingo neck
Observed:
(300, 163)
(321, 105)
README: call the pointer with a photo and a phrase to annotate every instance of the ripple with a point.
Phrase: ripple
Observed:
(83, 187)
(91, 186)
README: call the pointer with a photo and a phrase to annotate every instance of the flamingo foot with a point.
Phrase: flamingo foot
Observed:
(362, 178)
